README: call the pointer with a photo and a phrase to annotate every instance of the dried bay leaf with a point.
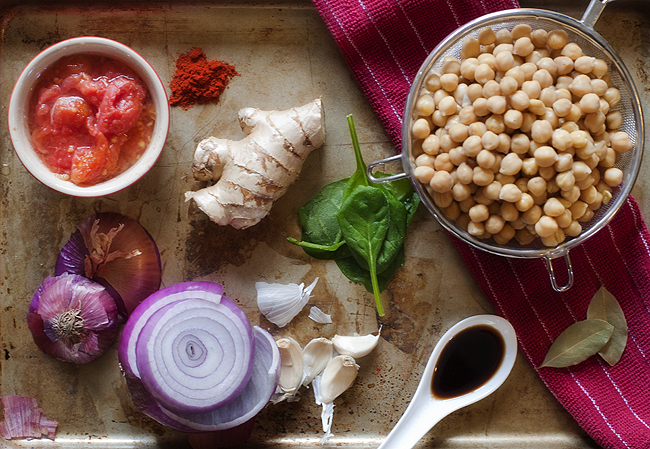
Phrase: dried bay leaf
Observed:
(605, 307)
(577, 343)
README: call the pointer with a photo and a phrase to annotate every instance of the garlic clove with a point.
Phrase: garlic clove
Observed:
(338, 376)
(280, 303)
(356, 346)
(291, 369)
(316, 355)
(319, 316)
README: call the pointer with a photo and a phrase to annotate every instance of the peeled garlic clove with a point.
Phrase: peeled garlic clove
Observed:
(280, 303)
(338, 376)
(291, 369)
(316, 355)
(356, 346)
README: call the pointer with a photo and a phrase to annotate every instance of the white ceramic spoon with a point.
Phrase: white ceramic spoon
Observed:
(425, 410)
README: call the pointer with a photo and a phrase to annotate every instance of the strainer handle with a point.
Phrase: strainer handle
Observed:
(551, 272)
(371, 168)
(591, 15)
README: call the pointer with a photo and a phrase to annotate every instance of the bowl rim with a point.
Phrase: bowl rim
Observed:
(549, 253)
(18, 110)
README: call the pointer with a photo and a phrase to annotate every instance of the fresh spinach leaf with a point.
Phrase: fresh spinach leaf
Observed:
(356, 273)
(321, 233)
(364, 219)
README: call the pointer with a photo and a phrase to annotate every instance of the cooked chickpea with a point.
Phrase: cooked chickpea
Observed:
(425, 106)
(600, 68)
(562, 107)
(529, 70)
(565, 180)
(458, 132)
(561, 140)
(518, 74)
(548, 96)
(613, 176)
(425, 159)
(424, 173)
(581, 85)
(495, 123)
(459, 93)
(510, 193)
(584, 64)
(612, 96)
(594, 121)
(557, 39)
(464, 173)
(486, 36)
(538, 37)
(483, 73)
(449, 82)
(525, 202)
(470, 48)
(546, 226)
(485, 159)
(443, 199)
(472, 146)
(621, 142)
(496, 104)
(532, 215)
(532, 88)
(588, 215)
(545, 156)
(431, 145)
(443, 163)
(456, 156)
(564, 162)
(438, 119)
(541, 132)
(590, 103)
(501, 48)
(511, 164)
(448, 106)
(490, 140)
(544, 78)
(614, 119)
(508, 85)
(478, 213)
(450, 65)
(480, 107)
(513, 119)
(553, 207)
(589, 194)
(476, 229)
(461, 192)
(441, 182)
(572, 50)
(564, 65)
(519, 100)
(523, 46)
(482, 176)
(599, 87)
(420, 128)
(504, 61)
(492, 190)
(563, 82)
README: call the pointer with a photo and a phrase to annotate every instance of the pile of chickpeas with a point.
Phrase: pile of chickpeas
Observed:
(519, 138)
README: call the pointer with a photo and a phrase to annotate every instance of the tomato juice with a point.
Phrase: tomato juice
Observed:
(91, 117)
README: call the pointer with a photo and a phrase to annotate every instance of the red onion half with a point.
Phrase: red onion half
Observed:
(192, 361)
(117, 252)
(72, 318)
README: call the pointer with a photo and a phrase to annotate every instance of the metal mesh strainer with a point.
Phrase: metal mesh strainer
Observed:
(582, 33)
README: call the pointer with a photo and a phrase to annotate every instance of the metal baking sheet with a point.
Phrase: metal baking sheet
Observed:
(286, 57)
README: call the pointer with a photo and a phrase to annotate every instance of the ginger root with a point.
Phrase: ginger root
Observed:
(254, 172)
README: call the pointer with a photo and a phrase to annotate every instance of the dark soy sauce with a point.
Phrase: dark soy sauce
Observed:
(467, 362)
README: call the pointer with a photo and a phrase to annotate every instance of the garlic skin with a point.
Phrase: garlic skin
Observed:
(355, 346)
(319, 316)
(338, 376)
(316, 355)
(291, 369)
(280, 303)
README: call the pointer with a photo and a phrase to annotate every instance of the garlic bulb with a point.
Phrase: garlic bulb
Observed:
(319, 316)
(280, 303)
(291, 369)
(356, 346)
(316, 355)
(338, 376)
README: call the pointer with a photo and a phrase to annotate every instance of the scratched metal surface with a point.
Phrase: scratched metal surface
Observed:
(286, 57)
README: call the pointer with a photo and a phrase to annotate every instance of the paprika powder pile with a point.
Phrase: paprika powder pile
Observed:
(198, 80)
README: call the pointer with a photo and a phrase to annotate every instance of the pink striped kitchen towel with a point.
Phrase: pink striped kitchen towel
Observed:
(385, 42)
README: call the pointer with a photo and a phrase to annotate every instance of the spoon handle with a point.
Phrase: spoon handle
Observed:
(413, 425)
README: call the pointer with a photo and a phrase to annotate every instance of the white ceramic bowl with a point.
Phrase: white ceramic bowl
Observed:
(19, 109)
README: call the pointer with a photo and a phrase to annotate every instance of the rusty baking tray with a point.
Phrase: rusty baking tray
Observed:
(286, 57)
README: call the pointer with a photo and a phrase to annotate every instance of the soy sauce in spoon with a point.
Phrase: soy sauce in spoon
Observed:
(467, 361)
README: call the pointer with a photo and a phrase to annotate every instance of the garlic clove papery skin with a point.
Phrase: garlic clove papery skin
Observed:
(291, 369)
(355, 346)
(316, 355)
(319, 316)
(338, 376)
(280, 303)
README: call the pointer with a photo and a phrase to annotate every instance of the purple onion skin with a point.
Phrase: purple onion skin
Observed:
(58, 349)
(75, 252)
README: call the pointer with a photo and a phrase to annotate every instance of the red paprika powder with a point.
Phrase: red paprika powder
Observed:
(198, 80)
